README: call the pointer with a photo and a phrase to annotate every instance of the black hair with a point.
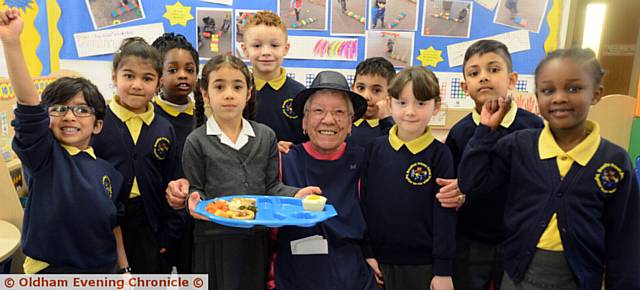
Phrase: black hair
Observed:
(215, 63)
(63, 89)
(484, 46)
(166, 43)
(583, 56)
(170, 40)
(424, 81)
(199, 105)
(376, 66)
(138, 47)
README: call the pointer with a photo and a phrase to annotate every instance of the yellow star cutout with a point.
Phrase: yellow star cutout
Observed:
(178, 14)
(430, 56)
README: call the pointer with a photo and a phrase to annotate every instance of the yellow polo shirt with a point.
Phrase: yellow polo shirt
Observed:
(276, 83)
(415, 146)
(372, 122)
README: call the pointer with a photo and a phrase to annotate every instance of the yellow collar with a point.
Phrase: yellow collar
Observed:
(276, 83)
(372, 122)
(173, 109)
(415, 146)
(75, 151)
(124, 115)
(508, 118)
(582, 153)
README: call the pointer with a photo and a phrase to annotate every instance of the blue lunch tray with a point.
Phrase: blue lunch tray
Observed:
(273, 212)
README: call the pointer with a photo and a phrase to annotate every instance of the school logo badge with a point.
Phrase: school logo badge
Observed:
(161, 148)
(287, 109)
(608, 176)
(106, 183)
(418, 174)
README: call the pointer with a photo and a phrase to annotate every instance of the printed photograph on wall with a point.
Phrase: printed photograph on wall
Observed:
(304, 14)
(241, 17)
(395, 46)
(393, 15)
(106, 13)
(447, 18)
(348, 17)
(521, 14)
(214, 32)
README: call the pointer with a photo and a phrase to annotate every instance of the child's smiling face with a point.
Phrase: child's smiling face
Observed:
(73, 130)
(565, 91)
(266, 47)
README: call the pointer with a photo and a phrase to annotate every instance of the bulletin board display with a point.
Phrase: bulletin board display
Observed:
(324, 34)
(422, 32)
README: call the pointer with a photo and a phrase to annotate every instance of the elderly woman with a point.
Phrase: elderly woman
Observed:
(327, 256)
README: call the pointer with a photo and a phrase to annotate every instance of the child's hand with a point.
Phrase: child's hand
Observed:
(10, 25)
(309, 190)
(373, 263)
(450, 195)
(194, 199)
(176, 193)
(494, 111)
(284, 146)
(441, 283)
(383, 109)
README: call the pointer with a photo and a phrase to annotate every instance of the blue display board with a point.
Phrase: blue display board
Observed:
(76, 18)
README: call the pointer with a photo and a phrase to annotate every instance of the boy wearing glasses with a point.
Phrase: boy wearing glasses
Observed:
(70, 220)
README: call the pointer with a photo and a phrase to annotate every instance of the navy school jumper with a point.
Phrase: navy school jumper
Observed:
(597, 206)
(154, 161)
(274, 109)
(182, 124)
(71, 212)
(481, 217)
(406, 223)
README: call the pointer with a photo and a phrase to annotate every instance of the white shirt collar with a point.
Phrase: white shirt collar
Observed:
(243, 138)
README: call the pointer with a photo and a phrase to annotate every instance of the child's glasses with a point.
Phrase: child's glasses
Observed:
(78, 110)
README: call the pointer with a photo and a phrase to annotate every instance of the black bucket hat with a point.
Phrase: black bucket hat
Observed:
(334, 81)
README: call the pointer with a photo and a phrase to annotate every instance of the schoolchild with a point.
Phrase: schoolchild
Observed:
(70, 221)
(177, 101)
(488, 74)
(266, 44)
(572, 206)
(371, 81)
(411, 237)
(142, 146)
(231, 156)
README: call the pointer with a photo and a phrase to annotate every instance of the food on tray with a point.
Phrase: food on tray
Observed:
(237, 208)
(314, 202)
(243, 214)
(240, 203)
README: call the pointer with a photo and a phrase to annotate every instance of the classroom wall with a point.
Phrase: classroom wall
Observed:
(619, 44)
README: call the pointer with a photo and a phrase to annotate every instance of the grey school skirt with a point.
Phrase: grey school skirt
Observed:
(548, 271)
